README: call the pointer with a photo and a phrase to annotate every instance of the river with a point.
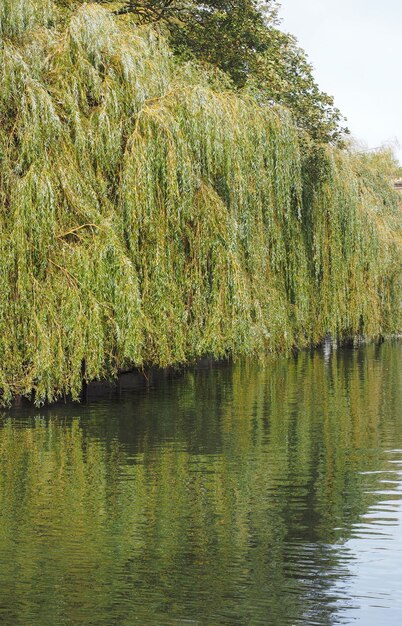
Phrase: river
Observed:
(241, 494)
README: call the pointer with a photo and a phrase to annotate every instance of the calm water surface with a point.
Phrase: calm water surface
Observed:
(237, 494)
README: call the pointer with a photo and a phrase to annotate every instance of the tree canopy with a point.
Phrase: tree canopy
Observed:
(148, 217)
(243, 39)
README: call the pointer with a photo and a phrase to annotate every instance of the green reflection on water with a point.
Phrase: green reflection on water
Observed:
(221, 497)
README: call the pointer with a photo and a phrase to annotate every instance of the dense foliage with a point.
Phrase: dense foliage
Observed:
(147, 217)
(243, 39)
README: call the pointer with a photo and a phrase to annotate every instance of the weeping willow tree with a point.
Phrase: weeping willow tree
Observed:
(149, 215)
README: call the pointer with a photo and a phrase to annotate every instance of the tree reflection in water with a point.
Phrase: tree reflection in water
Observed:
(224, 496)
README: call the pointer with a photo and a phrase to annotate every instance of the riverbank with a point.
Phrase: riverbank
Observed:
(138, 380)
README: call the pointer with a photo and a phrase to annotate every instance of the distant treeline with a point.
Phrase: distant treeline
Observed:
(152, 211)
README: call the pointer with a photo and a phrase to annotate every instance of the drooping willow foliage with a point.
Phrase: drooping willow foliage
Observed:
(148, 216)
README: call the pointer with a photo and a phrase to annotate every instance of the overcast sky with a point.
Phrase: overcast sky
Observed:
(355, 47)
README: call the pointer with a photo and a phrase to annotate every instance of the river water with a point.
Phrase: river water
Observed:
(251, 493)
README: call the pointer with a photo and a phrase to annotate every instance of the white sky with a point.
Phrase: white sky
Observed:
(355, 47)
